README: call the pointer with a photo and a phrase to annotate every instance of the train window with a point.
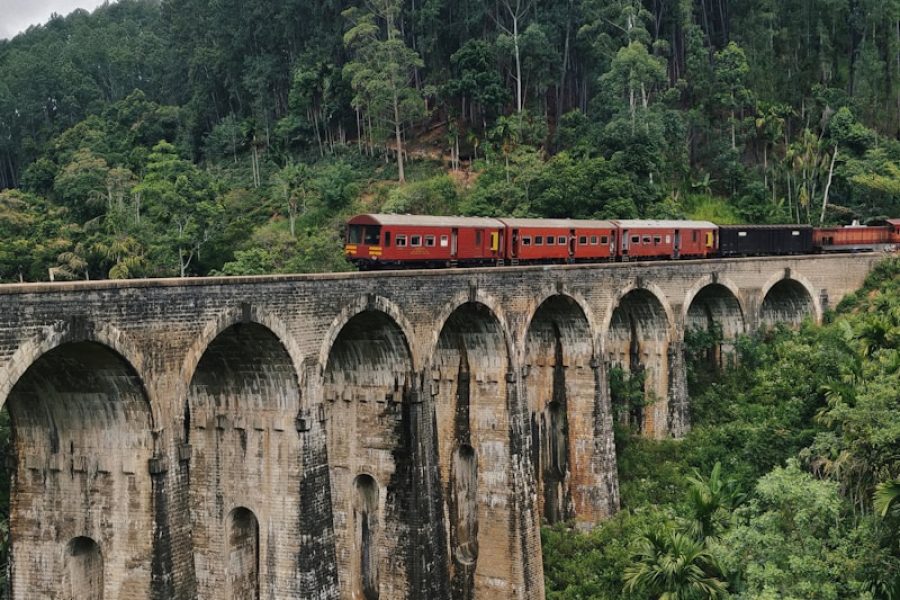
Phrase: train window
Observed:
(583, 240)
(795, 232)
(400, 240)
(657, 239)
(429, 241)
(372, 235)
(594, 240)
(561, 241)
(646, 239)
(354, 234)
(551, 240)
(415, 240)
(635, 239)
(603, 240)
(538, 240)
(526, 241)
(478, 237)
(445, 241)
(668, 239)
(694, 236)
(387, 238)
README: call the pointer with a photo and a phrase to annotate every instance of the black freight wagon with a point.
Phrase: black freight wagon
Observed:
(753, 240)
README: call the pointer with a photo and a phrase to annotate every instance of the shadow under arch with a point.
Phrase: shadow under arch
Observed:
(637, 336)
(788, 299)
(367, 304)
(246, 314)
(714, 306)
(82, 433)
(73, 331)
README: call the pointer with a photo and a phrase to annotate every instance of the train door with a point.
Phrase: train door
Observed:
(514, 244)
(571, 244)
(676, 253)
(624, 243)
(454, 242)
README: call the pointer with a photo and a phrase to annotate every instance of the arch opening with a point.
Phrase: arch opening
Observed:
(365, 517)
(637, 346)
(84, 569)
(367, 385)
(713, 321)
(561, 391)
(465, 498)
(788, 301)
(469, 381)
(81, 434)
(242, 555)
(242, 401)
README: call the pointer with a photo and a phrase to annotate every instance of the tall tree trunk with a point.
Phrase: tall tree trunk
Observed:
(518, 64)
(399, 136)
(828, 186)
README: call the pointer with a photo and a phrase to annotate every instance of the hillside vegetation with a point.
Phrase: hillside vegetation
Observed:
(788, 486)
(187, 137)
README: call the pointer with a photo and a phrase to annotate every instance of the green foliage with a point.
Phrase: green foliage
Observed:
(791, 541)
(436, 196)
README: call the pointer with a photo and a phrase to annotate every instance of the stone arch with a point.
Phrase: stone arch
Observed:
(70, 331)
(242, 555)
(245, 313)
(474, 397)
(368, 384)
(363, 304)
(477, 296)
(712, 303)
(561, 392)
(82, 434)
(638, 333)
(788, 298)
(83, 569)
(242, 403)
(548, 293)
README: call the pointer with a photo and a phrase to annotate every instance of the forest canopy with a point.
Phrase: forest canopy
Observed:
(187, 137)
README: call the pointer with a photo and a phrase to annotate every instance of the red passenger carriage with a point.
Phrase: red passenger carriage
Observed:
(559, 240)
(375, 240)
(639, 239)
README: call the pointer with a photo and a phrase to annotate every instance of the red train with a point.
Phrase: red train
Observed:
(390, 241)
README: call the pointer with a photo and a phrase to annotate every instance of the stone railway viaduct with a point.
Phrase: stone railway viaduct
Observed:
(357, 436)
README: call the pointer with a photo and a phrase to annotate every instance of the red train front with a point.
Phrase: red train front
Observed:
(380, 241)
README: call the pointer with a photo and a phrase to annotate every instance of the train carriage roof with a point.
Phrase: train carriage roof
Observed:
(424, 221)
(558, 223)
(767, 227)
(663, 224)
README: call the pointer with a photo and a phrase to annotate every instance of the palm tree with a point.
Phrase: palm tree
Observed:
(673, 566)
(709, 498)
(887, 498)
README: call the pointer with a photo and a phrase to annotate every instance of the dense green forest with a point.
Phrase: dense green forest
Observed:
(188, 137)
(788, 486)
